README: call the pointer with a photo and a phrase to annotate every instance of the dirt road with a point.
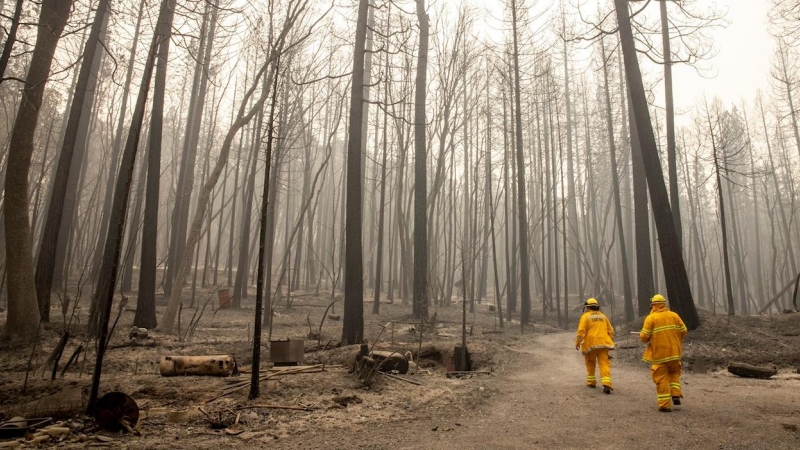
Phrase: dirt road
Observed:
(540, 401)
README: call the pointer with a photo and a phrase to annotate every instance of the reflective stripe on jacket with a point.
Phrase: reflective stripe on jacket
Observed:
(594, 331)
(664, 331)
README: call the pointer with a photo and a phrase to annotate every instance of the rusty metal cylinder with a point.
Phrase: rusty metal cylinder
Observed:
(209, 365)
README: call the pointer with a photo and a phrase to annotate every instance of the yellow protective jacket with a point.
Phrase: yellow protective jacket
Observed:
(594, 331)
(664, 331)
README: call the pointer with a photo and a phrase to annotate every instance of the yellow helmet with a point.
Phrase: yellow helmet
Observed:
(591, 302)
(658, 298)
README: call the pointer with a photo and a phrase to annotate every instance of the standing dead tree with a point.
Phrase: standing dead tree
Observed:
(107, 278)
(353, 321)
(295, 14)
(23, 314)
(262, 241)
(80, 109)
(677, 281)
(420, 306)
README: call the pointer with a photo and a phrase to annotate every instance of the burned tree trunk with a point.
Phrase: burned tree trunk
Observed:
(23, 312)
(641, 213)
(420, 172)
(180, 217)
(146, 300)
(262, 242)
(525, 296)
(353, 322)
(65, 184)
(750, 371)
(677, 281)
(108, 271)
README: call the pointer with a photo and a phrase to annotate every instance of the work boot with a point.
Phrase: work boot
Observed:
(664, 410)
(676, 401)
(607, 390)
(591, 386)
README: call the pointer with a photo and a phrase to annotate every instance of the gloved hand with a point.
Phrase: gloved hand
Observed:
(578, 347)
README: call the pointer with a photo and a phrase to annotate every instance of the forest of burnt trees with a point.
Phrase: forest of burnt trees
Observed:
(525, 153)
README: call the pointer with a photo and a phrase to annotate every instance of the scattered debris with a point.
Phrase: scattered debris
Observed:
(412, 366)
(467, 373)
(396, 377)
(212, 365)
(271, 373)
(18, 426)
(137, 333)
(219, 420)
(344, 400)
(182, 415)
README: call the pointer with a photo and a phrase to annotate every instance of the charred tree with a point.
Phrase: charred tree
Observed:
(180, 217)
(677, 281)
(146, 300)
(353, 321)
(65, 184)
(23, 313)
(525, 294)
(674, 192)
(107, 278)
(420, 307)
(641, 212)
(262, 242)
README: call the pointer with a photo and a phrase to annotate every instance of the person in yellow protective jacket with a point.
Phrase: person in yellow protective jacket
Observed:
(594, 339)
(663, 331)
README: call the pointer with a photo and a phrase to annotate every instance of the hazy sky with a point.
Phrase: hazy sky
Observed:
(739, 67)
(742, 63)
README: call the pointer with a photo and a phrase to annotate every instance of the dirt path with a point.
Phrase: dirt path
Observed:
(540, 402)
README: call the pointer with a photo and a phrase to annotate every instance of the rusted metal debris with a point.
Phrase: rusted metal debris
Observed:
(287, 352)
(210, 365)
(117, 411)
(137, 333)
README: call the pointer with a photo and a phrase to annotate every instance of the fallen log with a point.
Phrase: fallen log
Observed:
(794, 282)
(750, 371)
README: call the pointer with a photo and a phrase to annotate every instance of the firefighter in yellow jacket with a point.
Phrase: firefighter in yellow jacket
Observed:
(663, 331)
(595, 338)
